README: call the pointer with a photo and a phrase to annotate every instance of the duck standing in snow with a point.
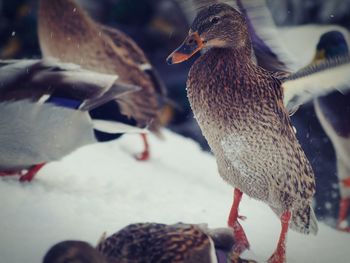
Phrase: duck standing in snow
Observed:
(239, 107)
(68, 33)
(333, 112)
(151, 242)
(45, 109)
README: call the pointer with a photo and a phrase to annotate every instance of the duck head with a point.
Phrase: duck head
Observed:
(330, 45)
(215, 26)
(73, 251)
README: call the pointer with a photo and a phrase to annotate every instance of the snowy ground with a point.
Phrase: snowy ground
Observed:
(102, 188)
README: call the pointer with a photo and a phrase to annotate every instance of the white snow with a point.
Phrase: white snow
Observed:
(102, 188)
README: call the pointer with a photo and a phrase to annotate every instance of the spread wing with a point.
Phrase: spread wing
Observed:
(317, 80)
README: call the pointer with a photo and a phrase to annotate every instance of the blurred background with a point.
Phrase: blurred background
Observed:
(158, 26)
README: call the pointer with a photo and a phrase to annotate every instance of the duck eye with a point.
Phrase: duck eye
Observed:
(215, 20)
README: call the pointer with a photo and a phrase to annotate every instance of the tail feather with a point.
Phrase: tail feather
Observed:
(304, 221)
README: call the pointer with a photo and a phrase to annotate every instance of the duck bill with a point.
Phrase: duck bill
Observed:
(319, 56)
(192, 44)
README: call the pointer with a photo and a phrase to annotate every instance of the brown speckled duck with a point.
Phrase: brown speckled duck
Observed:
(239, 107)
(68, 33)
(151, 242)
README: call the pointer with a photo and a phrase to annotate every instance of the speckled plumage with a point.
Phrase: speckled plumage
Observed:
(239, 107)
(152, 242)
(158, 243)
(68, 33)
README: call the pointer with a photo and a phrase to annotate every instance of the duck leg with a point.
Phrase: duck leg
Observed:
(344, 208)
(279, 256)
(9, 173)
(31, 173)
(145, 155)
(343, 213)
(241, 241)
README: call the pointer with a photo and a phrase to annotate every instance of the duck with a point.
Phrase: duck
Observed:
(67, 32)
(333, 112)
(151, 242)
(331, 109)
(46, 112)
(242, 111)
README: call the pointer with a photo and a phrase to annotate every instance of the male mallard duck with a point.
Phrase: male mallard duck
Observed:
(68, 33)
(333, 111)
(151, 242)
(240, 109)
(46, 111)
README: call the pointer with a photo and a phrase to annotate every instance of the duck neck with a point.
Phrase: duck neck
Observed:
(56, 6)
(59, 12)
(61, 23)
(234, 58)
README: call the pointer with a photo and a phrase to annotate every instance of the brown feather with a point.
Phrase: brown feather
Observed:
(68, 33)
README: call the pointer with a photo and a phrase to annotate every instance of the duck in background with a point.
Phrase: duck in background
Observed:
(242, 111)
(68, 33)
(333, 112)
(46, 112)
(151, 242)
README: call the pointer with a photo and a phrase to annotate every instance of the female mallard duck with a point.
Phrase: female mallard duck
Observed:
(151, 242)
(46, 110)
(239, 107)
(68, 33)
(333, 111)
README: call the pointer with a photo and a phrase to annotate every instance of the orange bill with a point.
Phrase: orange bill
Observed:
(192, 44)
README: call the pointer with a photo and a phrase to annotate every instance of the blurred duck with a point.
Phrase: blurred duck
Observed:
(68, 33)
(46, 112)
(151, 242)
(333, 111)
(243, 111)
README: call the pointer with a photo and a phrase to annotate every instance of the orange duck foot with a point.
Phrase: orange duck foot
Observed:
(280, 254)
(344, 229)
(9, 173)
(343, 214)
(145, 155)
(28, 177)
(241, 241)
(277, 257)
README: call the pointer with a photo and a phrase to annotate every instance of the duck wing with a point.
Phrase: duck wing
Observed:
(65, 85)
(316, 80)
(39, 80)
(130, 50)
(269, 50)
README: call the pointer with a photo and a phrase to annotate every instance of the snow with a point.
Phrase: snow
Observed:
(103, 188)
